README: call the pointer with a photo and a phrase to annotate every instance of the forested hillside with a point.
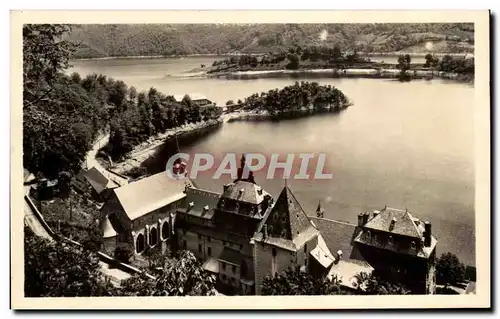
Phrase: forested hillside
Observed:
(182, 39)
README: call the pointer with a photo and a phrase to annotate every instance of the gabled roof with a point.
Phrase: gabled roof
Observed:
(96, 179)
(151, 193)
(405, 224)
(286, 219)
(243, 191)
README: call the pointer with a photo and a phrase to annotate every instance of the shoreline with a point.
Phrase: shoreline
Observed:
(148, 148)
(346, 73)
(362, 54)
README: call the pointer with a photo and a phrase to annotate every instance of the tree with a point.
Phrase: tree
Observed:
(180, 276)
(376, 284)
(428, 60)
(293, 281)
(59, 116)
(294, 61)
(45, 55)
(404, 62)
(56, 269)
(337, 53)
(229, 102)
(449, 270)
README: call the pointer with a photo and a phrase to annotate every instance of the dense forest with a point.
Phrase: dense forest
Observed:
(62, 115)
(184, 39)
(300, 98)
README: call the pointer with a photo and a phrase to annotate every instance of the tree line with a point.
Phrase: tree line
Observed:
(303, 97)
(62, 115)
(293, 281)
(294, 56)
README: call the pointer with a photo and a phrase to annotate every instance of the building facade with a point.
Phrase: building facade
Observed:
(241, 235)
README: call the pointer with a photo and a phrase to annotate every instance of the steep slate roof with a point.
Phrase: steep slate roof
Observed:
(405, 223)
(200, 199)
(337, 235)
(287, 221)
(250, 192)
(151, 193)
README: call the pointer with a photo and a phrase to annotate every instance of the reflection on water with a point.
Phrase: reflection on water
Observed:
(401, 144)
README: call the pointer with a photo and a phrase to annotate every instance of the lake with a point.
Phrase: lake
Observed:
(404, 145)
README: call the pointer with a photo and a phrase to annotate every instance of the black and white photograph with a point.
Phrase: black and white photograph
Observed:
(345, 158)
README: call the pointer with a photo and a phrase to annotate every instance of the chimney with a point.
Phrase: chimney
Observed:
(259, 190)
(427, 234)
(366, 216)
(191, 205)
(393, 223)
(339, 254)
(205, 208)
(375, 213)
(265, 231)
(241, 191)
(360, 219)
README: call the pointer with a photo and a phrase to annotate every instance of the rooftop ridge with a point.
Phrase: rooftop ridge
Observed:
(396, 209)
(333, 220)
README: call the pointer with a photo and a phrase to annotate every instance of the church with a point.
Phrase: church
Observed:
(244, 234)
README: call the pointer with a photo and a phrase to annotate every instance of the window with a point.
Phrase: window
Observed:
(184, 244)
(209, 251)
(413, 245)
(234, 269)
(390, 240)
(153, 236)
(305, 249)
(200, 237)
(199, 248)
(223, 266)
(274, 252)
(369, 234)
(139, 243)
(165, 233)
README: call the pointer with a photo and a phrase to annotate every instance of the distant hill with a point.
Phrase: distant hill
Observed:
(185, 39)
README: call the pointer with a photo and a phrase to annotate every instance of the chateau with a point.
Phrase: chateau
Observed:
(244, 234)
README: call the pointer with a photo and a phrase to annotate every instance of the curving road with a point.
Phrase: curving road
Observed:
(91, 161)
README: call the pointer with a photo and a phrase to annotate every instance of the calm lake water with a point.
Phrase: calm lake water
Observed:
(401, 144)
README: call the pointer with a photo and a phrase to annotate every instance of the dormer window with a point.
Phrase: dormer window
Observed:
(369, 234)
(390, 240)
(222, 203)
(206, 208)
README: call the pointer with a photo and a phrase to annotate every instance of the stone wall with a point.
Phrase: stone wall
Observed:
(265, 263)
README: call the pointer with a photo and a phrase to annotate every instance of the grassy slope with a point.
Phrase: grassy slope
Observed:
(156, 39)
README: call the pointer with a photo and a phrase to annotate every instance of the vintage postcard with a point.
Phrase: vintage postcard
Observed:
(250, 160)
